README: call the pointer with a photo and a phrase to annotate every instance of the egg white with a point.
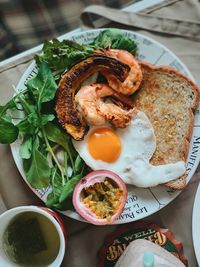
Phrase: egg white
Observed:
(138, 145)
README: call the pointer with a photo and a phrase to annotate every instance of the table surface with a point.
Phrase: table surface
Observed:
(138, 6)
(181, 228)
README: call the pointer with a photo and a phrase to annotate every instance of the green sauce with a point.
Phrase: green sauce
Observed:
(31, 239)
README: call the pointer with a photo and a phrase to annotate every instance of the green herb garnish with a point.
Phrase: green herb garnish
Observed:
(39, 128)
(62, 55)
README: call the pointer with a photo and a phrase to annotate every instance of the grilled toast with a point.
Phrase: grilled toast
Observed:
(169, 99)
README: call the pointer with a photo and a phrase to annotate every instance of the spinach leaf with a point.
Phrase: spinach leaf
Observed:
(8, 131)
(37, 168)
(43, 85)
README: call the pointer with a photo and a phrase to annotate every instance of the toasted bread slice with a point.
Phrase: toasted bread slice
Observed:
(169, 99)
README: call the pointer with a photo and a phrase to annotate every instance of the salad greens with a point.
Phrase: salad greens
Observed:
(114, 38)
(42, 136)
(62, 55)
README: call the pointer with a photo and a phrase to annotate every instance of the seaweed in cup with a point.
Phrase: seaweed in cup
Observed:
(27, 241)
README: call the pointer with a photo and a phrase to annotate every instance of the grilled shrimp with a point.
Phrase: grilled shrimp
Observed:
(67, 114)
(133, 80)
(90, 102)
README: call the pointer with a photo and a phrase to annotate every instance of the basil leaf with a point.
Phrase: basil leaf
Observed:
(8, 131)
(43, 86)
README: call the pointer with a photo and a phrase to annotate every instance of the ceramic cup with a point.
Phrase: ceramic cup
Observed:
(9, 215)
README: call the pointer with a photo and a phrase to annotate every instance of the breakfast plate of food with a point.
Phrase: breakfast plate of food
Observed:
(105, 126)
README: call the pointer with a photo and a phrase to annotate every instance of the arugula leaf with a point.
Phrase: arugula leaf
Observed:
(61, 55)
(8, 131)
(114, 38)
(53, 202)
(56, 135)
(78, 165)
(29, 124)
(53, 197)
(43, 85)
(26, 147)
(40, 134)
(56, 184)
(32, 122)
(9, 105)
(61, 196)
(68, 188)
(46, 118)
(37, 168)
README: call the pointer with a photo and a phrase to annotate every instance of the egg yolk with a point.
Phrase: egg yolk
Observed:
(104, 144)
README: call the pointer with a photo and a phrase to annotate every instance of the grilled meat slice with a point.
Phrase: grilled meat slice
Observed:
(67, 113)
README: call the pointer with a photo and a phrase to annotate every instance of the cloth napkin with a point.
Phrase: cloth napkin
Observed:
(160, 23)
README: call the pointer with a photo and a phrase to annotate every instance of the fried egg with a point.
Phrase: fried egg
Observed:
(127, 153)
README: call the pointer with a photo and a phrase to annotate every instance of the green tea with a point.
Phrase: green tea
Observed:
(31, 239)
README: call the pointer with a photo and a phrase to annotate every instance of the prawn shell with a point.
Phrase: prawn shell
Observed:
(68, 115)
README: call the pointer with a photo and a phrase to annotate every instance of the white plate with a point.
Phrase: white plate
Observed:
(141, 202)
(195, 225)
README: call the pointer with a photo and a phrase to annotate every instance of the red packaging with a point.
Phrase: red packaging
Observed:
(116, 242)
